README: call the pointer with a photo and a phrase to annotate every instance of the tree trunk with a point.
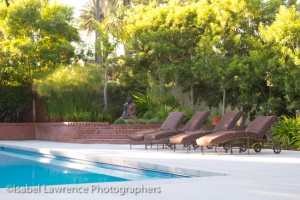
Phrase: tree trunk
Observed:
(98, 58)
(7, 3)
(224, 102)
(192, 97)
(33, 110)
(291, 3)
(105, 89)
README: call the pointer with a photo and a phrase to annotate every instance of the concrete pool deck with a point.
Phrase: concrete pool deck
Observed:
(265, 176)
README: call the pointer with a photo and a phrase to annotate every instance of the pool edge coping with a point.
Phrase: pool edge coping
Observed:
(118, 161)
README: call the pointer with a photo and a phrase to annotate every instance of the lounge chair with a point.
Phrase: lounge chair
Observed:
(163, 136)
(256, 131)
(188, 138)
(171, 123)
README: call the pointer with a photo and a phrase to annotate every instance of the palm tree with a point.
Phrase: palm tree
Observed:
(93, 10)
(7, 2)
(98, 10)
(290, 3)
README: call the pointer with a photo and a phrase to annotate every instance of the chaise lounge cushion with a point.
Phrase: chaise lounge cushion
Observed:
(227, 122)
(188, 136)
(193, 124)
(255, 130)
(171, 123)
(140, 135)
(196, 121)
(161, 134)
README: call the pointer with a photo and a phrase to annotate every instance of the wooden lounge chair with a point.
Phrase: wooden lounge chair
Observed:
(256, 131)
(188, 138)
(171, 123)
(163, 136)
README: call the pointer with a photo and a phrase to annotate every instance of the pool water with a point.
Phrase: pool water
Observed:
(22, 168)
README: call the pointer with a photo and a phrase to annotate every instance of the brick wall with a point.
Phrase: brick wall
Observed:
(17, 131)
(75, 132)
(88, 132)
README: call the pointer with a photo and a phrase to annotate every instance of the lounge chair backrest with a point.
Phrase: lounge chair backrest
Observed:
(261, 124)
(228, 121)
(196, 121)
(172, 121)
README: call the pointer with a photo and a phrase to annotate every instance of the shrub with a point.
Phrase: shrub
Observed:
(120, 121)
(154, 121)
(152, 105)
(131, 121)
(142, 121)
(15, 103)
(72, 94)
(287, 131)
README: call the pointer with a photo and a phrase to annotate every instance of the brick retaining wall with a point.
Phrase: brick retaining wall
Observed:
(88, 132)
(76, 132)
(17, 131)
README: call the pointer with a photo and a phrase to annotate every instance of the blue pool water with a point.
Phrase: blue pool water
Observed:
(22, 168)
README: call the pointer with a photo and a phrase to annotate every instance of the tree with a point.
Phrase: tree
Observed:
(93, 10)
(36, 37)
(108, 48)
(162, 39)
(99, 10)
(210, 47)
(282, 38)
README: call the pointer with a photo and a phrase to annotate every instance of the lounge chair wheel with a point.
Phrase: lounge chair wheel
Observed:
(185, 145)
(209, 147)
(257, 148)
(277, 148)
(243, 147)
(226, 147)
(195, 146)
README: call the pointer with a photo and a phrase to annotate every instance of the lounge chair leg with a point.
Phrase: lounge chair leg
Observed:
(218, 150)
(202, 150)
(231, 147)
(248, 145)
(174, 147)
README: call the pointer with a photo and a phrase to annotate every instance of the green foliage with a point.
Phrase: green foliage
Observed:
(248, 48)
(72, 93)
(144, 103)
(120, 121)
(217, 113)
(155, 121)
(287, 131)
(188, 114)
(137, 121)
(35, 36)
(14, 103)
(68, 78)
(151, 106)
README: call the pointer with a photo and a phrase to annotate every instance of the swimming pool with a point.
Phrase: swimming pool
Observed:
(23, 168)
